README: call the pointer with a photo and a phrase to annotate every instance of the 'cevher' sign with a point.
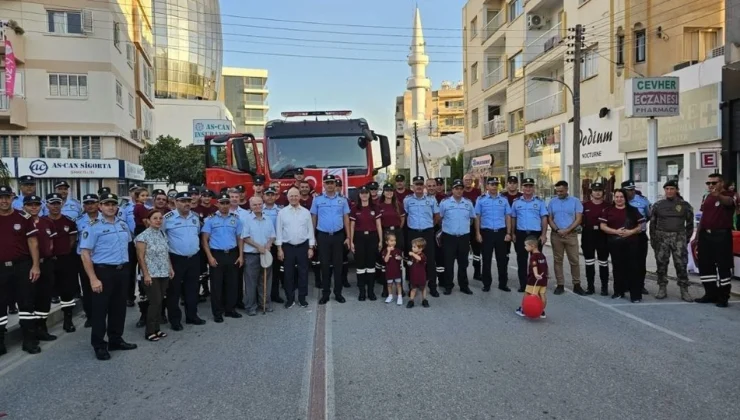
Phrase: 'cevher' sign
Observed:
(203, 128)
(652, 97)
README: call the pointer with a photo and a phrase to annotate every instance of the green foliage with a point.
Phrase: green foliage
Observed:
(168, 161)
(5, 174)
(457, 166)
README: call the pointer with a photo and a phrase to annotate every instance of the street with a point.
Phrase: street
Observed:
(466, 357)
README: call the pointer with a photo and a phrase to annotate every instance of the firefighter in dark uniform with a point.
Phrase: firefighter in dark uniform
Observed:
(43, 287)
(365, 236)
(593, 240)
(422, 213)
(299, 174)
(432, 187)
(472, 194)
(65, 260)
(493, 231)
(376, 198)
(105, 257)
(715, 242)
(20, 267)
(243, 202)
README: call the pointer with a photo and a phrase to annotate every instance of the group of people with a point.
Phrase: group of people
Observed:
(184, 247)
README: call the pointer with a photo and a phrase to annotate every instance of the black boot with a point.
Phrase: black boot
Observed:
(476, 270)
(604, 287)
(42, 332)
(590, 290)
(345, 273)
(143, 308)
(68, 326)
(3, 350)
(30, 345)
(723, 296)
(710, 293)
(370, 283)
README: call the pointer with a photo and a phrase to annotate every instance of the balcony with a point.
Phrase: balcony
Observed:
(544, 43)
(493, 25)
(263, 104)
(18, 42)
(494, 127)
(546, 107)
(496, 75)
(13, 110)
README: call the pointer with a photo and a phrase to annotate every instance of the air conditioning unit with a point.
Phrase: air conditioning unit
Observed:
(56, 153)
(87, 22)
(147, 134)
(716, 52)
(134, 134)
(535, 21)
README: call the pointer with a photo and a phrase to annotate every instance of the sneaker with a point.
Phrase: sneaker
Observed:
(302, 302)
(289, 304)
(410, 304)
(425, 303)
(519, 311)
(542, 315)
(389, 299)
(399, 301)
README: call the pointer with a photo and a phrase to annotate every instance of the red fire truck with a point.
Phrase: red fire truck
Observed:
(321, 143)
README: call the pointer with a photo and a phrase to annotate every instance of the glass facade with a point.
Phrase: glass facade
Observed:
(247, 108)
(542, 160)
(188, 49)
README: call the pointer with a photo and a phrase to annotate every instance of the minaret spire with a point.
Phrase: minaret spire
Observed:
(418, 83)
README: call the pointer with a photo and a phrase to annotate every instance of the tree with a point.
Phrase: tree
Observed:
(167, 161)
(193, 165)
(5, 174)
(457, 167)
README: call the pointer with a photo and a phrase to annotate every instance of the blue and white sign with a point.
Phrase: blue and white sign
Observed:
(68, 168)
(203, 128)
(133, 171)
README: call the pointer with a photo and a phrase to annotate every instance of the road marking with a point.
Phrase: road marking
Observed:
(317, 388)
(306, 388)
(329, 366)
(662, 303)
(635, 318)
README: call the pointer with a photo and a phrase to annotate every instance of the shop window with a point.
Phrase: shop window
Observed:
(609, 174)
(669, 168)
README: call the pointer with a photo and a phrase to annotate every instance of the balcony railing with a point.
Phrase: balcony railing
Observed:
(544, 43)
(545, 107)
(493, 25)
(494, 127)
(4, 101)
(495, 76)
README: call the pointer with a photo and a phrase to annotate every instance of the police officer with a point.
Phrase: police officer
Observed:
(91, 205)
(182, 228)
(593, 240)
(528, 218)
(493, 231)
(70, 207)
(223, 246)
(472, 194)
(643, 206)
(456, 213)
(270, 210)
(126, 213)
(105, 257)
(330, 214)
(671, 227)
(511, 193)
(566, 213)
(422, 213)
(204, 209)
(65, 260)
(439, 254)
(345, 254)
(28, 187)
(715, 242)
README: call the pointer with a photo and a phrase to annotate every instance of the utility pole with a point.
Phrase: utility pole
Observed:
(577, 59)
(416, 148)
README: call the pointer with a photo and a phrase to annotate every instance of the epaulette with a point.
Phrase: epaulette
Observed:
(80, 217)
(24, 214)
(69, 218)
(170, 214)
(93, 221)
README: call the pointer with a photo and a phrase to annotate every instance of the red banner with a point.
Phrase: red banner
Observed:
(9, 69)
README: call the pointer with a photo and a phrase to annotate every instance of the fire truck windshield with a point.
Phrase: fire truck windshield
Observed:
(284, 154)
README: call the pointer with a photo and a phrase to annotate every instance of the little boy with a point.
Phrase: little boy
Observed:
(536, 275)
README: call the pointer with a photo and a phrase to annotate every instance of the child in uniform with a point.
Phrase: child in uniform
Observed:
(418, 272)
(392, 257)
(536, 275)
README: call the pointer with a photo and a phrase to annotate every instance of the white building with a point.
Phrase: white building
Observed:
(180, 118)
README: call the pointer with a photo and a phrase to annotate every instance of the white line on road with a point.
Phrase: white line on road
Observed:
(661, 303)
(306, 388)
(329, 366)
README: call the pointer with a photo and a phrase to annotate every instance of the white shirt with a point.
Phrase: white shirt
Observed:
(294, 226)
(242, 214)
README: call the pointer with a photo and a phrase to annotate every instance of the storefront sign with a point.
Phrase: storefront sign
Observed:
(133, 171)
(698, 123)
(599, 139)
(708, 159)
(203, 128)
(481, 161)
(68, 168)
(491, 160)
(652, 97)
(542, 142)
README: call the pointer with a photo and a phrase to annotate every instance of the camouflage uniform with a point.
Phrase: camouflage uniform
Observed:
(671, 227)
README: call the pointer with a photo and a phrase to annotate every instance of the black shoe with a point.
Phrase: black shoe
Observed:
(88, 323)
(447, 292)
(42, 334)
(617, 295)
(68, 326)
(102, 354)
(13, 310)
(196, 321)
(141, 322)
(578, 290)
(31, 348)
(130, 303)
(233, 314)
(705, 299)
(385, 293)
(504, 288)
(371, 296)
(559, 290)
(645, 291)
(361, 298)
(346, 284)
(177, 327)
(340, 299)
(604, 291)
(425, 303)
(302, 302)
(466, 290)
(218, 319)
(410, 304)
(434, 293)
(324, 300)
(590, 290)
(486, 288)
(55, 300)
(121, 345)
(722, 304)
(520, 290)
(240, 305)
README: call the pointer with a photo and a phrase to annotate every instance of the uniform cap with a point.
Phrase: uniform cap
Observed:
(439, 180)
(299, 171)
(209, 193)
(364, 190)
(492, 180)
(61, 184)
(240, 188)
(528, 181)
(628, 185)
(158, 192)
(372, 185)
(400, 178)
(104, 190)
(512, 179)
(134, 187)
(32, 199)
(259, 179)
(194, 189)
(53, 198)
(387, 186)
(224, 198)
(597, 186)
(330, 177)
(457, 183)
(5, 191)
(224, 190)
(418, 179)
(184, 195)
(671, 183)
(339, 182)
(270, 190)
(172, 193)
(108, 198)
(26, 180)
(90, 198)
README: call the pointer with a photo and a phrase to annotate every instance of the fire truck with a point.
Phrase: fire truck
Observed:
(319, 143)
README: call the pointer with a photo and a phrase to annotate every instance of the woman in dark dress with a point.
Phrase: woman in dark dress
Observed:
(365, 235)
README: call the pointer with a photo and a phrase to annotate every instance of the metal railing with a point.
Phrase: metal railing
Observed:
(545, 107)
(494, 76)
(493, 25)
(494, 127)
(4, 101)
(545, 42)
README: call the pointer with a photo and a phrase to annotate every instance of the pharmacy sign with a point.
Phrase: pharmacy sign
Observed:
(652, 97)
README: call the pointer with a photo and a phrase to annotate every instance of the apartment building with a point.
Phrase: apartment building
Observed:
(244, 91)
(518, 81)
(730, 105)
(82, 101)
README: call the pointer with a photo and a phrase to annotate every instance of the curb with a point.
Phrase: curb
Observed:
(14, 335)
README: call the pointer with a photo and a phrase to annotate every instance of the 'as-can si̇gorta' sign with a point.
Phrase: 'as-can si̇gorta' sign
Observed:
(203, 128)
(652, 97)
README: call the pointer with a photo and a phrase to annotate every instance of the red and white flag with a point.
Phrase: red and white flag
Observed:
(340, 173)
(9, 69)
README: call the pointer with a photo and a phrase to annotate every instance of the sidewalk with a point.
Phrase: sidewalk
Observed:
(55, 316)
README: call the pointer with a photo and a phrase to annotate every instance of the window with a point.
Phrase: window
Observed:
(80, 147)
(474, 72)
(516, 121)
(130, 104)
(698, 44)
(65, 22)
(254, 99)
(117, 35)
(256, 130)
(147, 84)
(147, 118)
(669, 167)
(459, 121)
(516, 8)
(474, 118)
(516, 67)
(474, 27)
(493, 111)
(10, 146)
(254, 114)
(620, 50)
(590, 65)
(130, 54)
(255, 82)
(640, 46)
(68, 85)
(119, 94)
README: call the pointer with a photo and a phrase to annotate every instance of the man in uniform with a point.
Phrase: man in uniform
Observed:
(422, 213)
(512, 193)
(456, 213)
(715, 242)
(671, 227)
(330, 214)
(204, 209)
(126, 213)
(439, 253)
(493, 231)
(299, 175)
(19, 267)
(270, 210)
(643, 206)
(401, 191)
(528, 218)
(105, 258)
(65, 261)
(92, 212)
(70, 207)
(182, 228)
(223, 246)
(566, 213)
(593, 240)
(259, 186)
(472, 194)
(242, 200)
(28, 187)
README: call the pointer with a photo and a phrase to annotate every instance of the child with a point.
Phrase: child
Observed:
(536, 275)
(418, 272)
(392, 258)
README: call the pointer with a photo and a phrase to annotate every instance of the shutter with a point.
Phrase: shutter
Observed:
(87, 21)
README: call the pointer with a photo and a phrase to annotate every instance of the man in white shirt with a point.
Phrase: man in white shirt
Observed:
(258, 234)
(295, 242)
(244, 216)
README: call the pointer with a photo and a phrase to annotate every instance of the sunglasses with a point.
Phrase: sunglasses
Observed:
(712, 183)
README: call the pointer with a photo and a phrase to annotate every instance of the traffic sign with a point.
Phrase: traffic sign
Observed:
(652, 97)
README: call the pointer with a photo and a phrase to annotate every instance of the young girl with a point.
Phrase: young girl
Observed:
(418, 272)
(392, 258)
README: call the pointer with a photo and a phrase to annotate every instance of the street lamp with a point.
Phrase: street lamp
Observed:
(576, 187)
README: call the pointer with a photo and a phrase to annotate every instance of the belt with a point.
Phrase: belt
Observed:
(300, 244)
(420, 230)
(456, 235)
(715, 230)
(224, 251)
(528, 232)
(110, 266)
(14, 262)
(332, 233)
(367, 232)
(494, 230)
(172, 254)
(392, 227)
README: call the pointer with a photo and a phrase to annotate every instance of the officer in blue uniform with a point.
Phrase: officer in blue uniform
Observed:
(270, 210)
(27, 188)
(91, 213)
(642, 205)
(493, 231)
(528, 218)
(456, 213)
(223, 246)
(182, 228)
(422, 213)
(126, 213)
(330, 213)
(105, 257)
(70, 207)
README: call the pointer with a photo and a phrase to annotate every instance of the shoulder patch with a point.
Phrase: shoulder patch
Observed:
(168, 215)
(93, 221)
(71, 219)
(24, 214)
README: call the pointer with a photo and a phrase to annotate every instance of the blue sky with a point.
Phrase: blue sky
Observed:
(367, 88)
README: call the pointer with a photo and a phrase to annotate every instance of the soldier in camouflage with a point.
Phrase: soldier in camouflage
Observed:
(671, 227)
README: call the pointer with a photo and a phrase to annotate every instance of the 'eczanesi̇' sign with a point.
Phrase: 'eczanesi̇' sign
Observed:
(652, 97)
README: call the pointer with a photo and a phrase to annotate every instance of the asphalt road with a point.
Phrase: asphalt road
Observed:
(466, 357)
